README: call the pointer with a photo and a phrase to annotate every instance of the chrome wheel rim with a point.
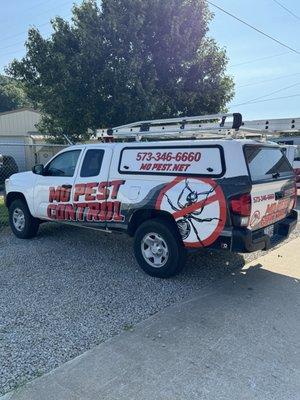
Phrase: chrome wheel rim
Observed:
(155, 250)
(19, 219)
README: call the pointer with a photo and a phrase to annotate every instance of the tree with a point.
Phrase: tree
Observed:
(12, 95)
(125, 61)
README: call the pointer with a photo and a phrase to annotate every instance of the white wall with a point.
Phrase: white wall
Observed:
(15, 129)
(14, 146)
(19, 122)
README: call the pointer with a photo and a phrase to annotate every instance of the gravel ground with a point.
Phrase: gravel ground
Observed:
(70, 289)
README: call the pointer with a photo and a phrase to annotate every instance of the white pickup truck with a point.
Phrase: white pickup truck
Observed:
(172, 196)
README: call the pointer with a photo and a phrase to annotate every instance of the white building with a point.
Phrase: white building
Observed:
(16, 130)
(19, 138)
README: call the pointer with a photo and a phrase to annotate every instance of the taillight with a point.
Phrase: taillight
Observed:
(241, 209)
(241, 205)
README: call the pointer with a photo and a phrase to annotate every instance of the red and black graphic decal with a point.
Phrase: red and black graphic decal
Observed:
(274, 212)
(198, 205)
(254, 220)
(92, 202)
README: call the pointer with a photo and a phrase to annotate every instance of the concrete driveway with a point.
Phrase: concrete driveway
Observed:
(238, 339)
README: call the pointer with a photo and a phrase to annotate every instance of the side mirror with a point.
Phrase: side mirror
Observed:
(38, 169)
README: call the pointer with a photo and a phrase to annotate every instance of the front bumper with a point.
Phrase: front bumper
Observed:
(245, 241)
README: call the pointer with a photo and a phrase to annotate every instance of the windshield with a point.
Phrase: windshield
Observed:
(267, 163)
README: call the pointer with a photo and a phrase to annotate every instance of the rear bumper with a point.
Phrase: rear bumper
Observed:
(246, 241)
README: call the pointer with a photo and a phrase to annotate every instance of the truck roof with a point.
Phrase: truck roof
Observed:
(179, 143)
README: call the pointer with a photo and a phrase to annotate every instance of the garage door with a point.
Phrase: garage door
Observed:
(14, 147)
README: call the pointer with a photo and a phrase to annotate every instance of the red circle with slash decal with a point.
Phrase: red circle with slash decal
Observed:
(198, 205)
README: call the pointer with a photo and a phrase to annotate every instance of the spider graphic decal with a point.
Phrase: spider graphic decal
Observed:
(199, 213)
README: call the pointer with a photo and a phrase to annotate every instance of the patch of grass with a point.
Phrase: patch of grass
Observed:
(3, 213)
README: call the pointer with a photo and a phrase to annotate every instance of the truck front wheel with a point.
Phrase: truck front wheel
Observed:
(22, 223)
(159, 249)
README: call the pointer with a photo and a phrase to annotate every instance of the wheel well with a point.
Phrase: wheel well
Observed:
(141, 216)
(14, 196)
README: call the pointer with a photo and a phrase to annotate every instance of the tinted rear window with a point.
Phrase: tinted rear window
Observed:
(267, 163)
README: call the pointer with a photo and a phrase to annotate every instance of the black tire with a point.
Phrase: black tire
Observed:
(31, 224)
(174, 262)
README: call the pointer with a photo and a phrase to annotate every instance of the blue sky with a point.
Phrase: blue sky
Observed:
(261, 68)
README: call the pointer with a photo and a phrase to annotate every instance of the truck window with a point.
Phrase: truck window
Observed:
(92, 162)
(267, 163)
(63, 165)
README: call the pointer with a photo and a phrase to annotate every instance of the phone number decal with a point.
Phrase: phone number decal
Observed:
(169, 156)
(179, 160)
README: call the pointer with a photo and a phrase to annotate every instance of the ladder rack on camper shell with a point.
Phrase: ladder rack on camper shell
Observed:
(202, 127)
(192, 127)
(272, 126)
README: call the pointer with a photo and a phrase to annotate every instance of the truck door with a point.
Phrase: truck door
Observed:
(54, 187)
(92, 190)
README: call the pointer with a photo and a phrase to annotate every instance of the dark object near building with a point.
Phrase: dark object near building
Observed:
(8, 166)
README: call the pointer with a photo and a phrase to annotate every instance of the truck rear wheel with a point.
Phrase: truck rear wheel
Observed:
(159, 249)
(22, 223)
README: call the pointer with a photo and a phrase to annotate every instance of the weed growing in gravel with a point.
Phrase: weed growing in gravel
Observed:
(128, 327)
